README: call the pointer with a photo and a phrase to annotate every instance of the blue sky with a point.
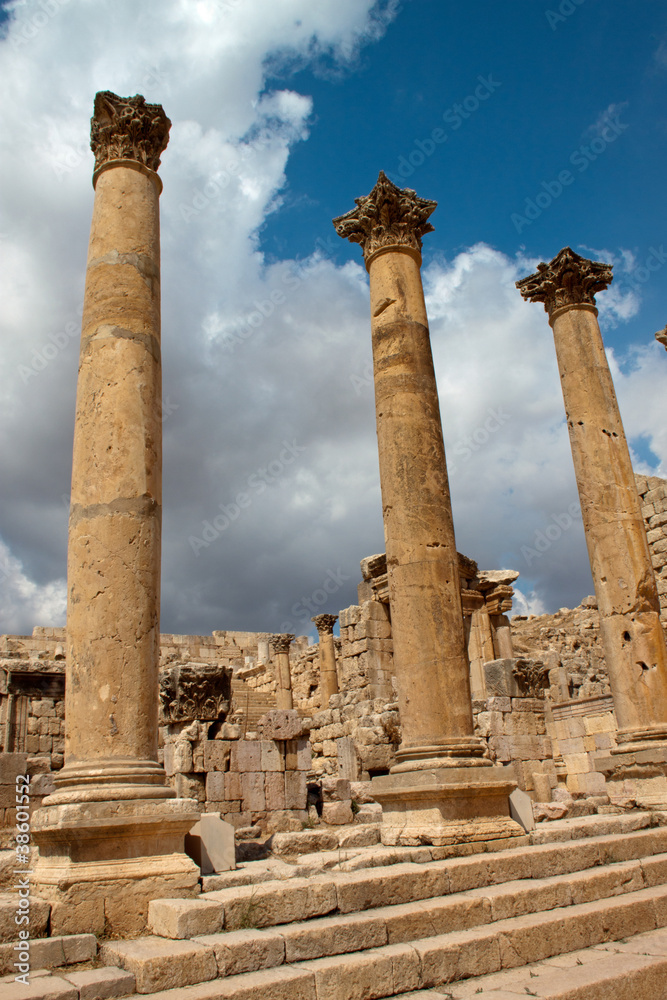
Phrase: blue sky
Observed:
(282, 114)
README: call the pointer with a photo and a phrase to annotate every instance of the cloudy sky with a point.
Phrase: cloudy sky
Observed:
(533, 126)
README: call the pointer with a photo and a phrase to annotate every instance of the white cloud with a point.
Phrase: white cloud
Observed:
(245, 372)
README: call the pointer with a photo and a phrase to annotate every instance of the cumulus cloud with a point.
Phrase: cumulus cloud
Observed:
(271, 489)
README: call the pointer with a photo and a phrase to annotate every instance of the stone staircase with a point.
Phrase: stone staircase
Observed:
(580, 916)
(252, 704)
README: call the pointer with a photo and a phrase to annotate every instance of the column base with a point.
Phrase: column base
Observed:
(446, 806)
(101, 862)
(636, 773)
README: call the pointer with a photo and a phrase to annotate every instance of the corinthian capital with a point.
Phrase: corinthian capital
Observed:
(388, 216)
(567, 281)
(661, 337)
(126, 128)
(325, 623)
(280, 642)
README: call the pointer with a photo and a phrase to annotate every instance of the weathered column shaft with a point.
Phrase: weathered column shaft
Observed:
(280, 643)
(442, 788)
(113, 630)
(633, 639)
(111, 836)
(427, 622)
(328, 672)
(502, 637)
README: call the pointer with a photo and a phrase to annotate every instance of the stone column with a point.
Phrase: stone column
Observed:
(328, 674)
(633, 639)
(661, 337)
(280, 644)
(112, 802)
(430, 659)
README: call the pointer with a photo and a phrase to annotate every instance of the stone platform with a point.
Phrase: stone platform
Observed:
(579, 913)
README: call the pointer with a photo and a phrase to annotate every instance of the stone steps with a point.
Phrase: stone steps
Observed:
(433, 963)
(409, 925)
(50, 952)
(275, 902)
(633, 970)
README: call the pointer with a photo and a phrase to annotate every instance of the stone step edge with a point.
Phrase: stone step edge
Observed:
(637, 964)
(56, 952)
(405, 961)
(592, 853)
(269, 946)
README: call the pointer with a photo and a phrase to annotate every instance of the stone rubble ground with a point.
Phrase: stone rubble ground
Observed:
(579, 914)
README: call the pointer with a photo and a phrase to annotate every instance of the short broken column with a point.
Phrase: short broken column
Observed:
(443, 787)
(280, 644)
(328, 673)
(111, 836)
(625, 587)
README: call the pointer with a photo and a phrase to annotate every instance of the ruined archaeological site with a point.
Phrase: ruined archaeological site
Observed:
(438, 799)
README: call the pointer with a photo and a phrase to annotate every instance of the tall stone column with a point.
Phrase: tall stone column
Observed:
(328, 673)
(280, 644)
(625, 587)
(113, 816)
(423, 798)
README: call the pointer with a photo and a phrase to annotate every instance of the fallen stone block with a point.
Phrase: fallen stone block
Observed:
(184, 918)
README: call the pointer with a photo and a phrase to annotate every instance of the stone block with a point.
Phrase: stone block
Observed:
(210, 844)
(185, 918)
(11, 765)
(521, 809)
(42, 987)
(298, 754)
(274, 790)
(238, 952)
(101, 984)
(336, 790)
(216, 755)
(160, 964)
(215, 785)
(296, 790)
(232, 785)
(190, 786)
(246, 756)
(337, 813)
(499, 678)
(252, 786)
(281, 725)
(271, 757)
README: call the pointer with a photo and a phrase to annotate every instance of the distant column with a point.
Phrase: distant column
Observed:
(633, 638)
(328, 674)
(280, 643)
(430, 659)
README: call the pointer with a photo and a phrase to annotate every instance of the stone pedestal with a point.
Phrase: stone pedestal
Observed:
(113, 830)
(328, 672)
(430, 660)
(625, 587)
(280, 644)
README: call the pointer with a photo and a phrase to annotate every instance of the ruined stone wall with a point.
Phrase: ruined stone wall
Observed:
(251, 782)
(653, 496)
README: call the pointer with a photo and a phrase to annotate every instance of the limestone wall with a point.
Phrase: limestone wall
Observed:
(653, 495)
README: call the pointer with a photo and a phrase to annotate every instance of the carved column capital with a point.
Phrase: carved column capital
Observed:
(568, 280)
(127, 128)
(388, 217)
(325, 623)
(280, 642)
(661, 337)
